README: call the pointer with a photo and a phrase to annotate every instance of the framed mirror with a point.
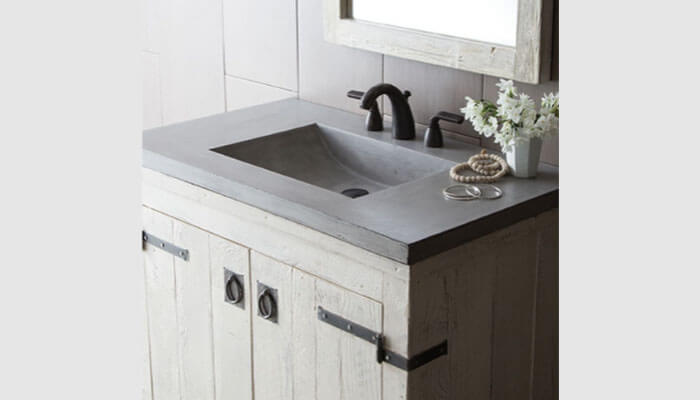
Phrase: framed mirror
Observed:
(504, 38)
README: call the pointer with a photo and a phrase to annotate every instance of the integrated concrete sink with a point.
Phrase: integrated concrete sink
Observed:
(335, 160)
(292, 159)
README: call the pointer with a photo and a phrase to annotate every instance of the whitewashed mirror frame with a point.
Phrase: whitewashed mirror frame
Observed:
(528, 61)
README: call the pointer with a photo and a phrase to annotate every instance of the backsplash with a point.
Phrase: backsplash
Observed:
(208, 56)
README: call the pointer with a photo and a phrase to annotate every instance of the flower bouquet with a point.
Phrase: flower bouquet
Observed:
(515, 125)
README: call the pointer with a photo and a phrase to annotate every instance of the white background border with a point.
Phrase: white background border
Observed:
(71, 295)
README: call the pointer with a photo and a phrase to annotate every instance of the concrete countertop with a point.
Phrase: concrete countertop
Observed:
(406, 223)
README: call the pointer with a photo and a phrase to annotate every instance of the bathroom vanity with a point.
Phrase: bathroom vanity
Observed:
(265, 281)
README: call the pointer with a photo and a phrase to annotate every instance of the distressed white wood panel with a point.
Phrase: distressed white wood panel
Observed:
(241, 93)
(231, 324)
(192, 71)
(533, 60)
(394, 383)
(261, 41)
(346, 366)
(533, 43)
(395, 297)
(327, 71)
(304, 335)
(429, 304)
(292, 243)
(272, 342)
(147, 389)
(161, 309)
(193, 294)
(152, 110)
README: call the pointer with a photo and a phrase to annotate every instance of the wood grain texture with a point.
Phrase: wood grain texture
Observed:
(231, 324)
(332, 364)
(272, 342)
(395, 327)
(534, 41)
(241, 93)
(260, 39)
(495, 300)
(471, 327)
(289, 242)
(194, 314)
(545, 384)
(304, 335)
(147, 390)
(327, 71)
(429, 323)
(513, 313)
(346, 366)
(161, 309)
(522, 62)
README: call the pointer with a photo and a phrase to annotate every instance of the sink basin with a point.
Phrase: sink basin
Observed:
(335, 160)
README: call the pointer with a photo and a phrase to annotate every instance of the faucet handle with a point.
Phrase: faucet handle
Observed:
(374, 120)
(447, 116)
(355, 94)
(433, 135)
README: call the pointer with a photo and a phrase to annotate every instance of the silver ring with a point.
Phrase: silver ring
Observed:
(461, 192)
(496, 192)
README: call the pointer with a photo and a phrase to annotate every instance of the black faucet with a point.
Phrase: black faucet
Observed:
(403, 127)
(374, 121)
(433, 135)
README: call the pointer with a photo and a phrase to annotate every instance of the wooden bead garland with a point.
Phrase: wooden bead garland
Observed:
(490, 166)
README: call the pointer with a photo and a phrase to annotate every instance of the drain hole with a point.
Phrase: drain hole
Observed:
(354, 192)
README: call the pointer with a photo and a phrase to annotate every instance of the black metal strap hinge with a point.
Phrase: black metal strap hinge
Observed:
(166, 246)
(377, 339)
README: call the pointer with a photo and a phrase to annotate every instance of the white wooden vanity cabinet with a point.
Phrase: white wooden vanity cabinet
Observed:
(493, 300)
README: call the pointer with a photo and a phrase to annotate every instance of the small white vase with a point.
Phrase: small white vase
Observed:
(524, 157)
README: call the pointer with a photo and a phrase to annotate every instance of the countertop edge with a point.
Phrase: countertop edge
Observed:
(374, 242)
(448, 240)
(405, 253)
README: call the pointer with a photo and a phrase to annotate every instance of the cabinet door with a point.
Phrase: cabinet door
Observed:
(231, 322)
(272, 340)
(298, 356)
(346, 366)
(179, 311)
(161, 309)
(193, 295)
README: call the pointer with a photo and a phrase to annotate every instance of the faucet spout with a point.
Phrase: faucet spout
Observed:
(403, 126)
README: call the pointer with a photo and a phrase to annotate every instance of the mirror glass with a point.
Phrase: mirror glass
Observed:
(492, 21)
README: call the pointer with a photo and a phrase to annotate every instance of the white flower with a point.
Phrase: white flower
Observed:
(513, 119)
(505, 85)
